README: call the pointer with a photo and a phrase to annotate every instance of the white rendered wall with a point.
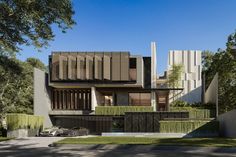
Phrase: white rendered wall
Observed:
(191, 79)
(153, 74)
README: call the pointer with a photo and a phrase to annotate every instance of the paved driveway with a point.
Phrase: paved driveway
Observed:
(38, 146)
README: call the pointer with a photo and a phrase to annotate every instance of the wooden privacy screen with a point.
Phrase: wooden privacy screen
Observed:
(90, 66)
(71, 99)
(148, 121)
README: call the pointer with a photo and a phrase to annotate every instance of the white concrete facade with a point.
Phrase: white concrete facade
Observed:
(191, 79)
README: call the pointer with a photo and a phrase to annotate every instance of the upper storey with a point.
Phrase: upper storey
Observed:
(96, 68)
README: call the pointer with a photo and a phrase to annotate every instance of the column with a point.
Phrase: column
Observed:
(153, 75)
(93, 98)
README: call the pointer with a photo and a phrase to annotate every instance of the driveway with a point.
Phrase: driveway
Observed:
(38, 146)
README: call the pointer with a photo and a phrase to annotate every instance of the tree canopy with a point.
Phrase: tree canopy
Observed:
(224, 63)
(174, 75)
(29, 22)
(16, 84)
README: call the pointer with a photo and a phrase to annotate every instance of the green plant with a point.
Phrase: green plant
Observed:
(189, 126)
(194, 112)
(120, 110)
(24, 121)
(179, 103)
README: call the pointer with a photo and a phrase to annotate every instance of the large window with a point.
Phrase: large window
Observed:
(139, 99)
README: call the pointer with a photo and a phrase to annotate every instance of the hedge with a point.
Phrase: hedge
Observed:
(24, 121)
(195, 113)
(120, 110)
(187, 126)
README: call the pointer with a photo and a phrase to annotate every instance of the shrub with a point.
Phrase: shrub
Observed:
(24, 121)
(187, 126)
(195, 113)
(179, 103)
(120, 110)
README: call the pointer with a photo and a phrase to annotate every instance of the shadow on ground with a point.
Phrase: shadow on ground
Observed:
(12, 150)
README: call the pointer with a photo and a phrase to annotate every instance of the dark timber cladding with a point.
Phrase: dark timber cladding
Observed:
(71, 99)
(112, 66)
(149, 121)
(96, 124)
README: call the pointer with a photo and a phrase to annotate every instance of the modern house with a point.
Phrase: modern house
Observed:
(78, 82)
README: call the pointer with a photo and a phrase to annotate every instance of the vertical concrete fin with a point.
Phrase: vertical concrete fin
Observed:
(153, 74)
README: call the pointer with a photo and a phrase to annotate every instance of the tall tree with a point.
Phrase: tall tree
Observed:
(224, 63)
(36, 63)
(29, 22)
(174, 77)
(16, 85)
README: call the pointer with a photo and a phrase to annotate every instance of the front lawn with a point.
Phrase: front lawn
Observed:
(4, 139)
(203, 142)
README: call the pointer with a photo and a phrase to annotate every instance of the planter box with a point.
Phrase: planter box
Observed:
(21, 133)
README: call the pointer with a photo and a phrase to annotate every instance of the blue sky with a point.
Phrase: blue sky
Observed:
(130, 25)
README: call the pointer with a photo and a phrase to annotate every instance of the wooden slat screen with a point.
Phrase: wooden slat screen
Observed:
(71, 99)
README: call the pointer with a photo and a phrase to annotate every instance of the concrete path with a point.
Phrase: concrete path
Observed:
(38, 146)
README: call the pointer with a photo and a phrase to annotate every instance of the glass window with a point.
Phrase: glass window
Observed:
(139, 99)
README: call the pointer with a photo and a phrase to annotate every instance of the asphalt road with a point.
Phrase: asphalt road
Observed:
(38, 146)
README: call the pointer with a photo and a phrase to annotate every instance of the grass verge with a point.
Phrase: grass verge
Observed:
(201, 142)
(4, 139)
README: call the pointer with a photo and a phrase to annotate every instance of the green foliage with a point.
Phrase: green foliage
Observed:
(120, 110)
(224, 63)
(29, 22)
(206, 60)
(4, 139)
(16, 85)
(24, 121)
(195, 113)
(36, 63)
(174, 75)
(189, 126)
(179, 103)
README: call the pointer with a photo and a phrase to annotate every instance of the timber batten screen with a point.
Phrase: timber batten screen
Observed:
(71, 99)
(90, 66)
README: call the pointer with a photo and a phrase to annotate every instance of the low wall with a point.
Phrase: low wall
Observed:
(21, 133)
(148, 121)
(228, 124)
(96, 124)
(23, 125)
(192, 128)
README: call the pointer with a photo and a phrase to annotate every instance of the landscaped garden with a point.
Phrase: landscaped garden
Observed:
(201, 142)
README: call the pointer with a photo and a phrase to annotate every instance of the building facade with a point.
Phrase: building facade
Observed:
(78, 82)
(191, 79)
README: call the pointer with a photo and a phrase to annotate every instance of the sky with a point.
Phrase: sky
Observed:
(131, 25)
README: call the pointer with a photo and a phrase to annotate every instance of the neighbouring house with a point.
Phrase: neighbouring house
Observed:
(78, 83)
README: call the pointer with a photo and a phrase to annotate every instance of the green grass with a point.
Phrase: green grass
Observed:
(203, 142)
(4, 139)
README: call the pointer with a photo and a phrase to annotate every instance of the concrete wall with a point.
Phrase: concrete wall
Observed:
(140, 71)
(228, 124)
(22, 133)
(212, 91)
(191, 79)
(42, 103)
